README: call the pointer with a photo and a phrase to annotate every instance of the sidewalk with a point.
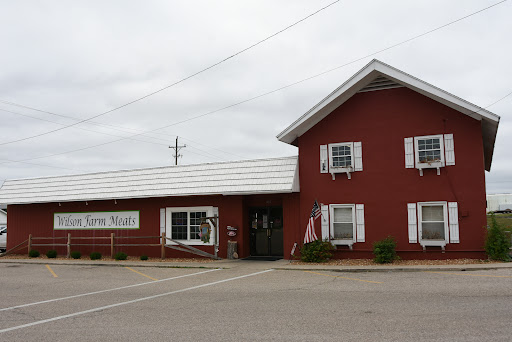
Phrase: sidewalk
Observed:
(262, 265)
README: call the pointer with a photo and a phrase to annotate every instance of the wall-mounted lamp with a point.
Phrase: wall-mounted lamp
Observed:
(115, 201)
(86, 203)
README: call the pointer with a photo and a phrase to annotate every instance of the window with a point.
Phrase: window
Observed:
(183, 224)
(433, 223)
(430, 151)
(341, 155)
(341, 158)
(343, 222)
(346, 224)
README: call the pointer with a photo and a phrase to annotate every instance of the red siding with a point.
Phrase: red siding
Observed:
(381, 120)
(37, 219)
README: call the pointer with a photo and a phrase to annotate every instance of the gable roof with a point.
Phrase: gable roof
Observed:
(378, 75)
(277, 175)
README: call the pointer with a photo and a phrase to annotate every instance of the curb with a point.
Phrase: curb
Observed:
(270, 265)
(397, 269)
(107, 264)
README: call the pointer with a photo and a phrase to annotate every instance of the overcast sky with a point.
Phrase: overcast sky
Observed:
(78, 59)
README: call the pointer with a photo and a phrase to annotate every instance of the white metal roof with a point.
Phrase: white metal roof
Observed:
(277, 175)
(376, 69)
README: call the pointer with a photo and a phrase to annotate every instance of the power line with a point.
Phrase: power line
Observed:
(118, 128)
(85, 129)
(177, 82)
(289, 85)
(113, 135)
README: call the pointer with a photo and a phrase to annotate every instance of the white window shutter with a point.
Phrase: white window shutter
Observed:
(325, 221)
(453, 220)
(360, 222)
(162, 221)
(449, 149)
(324, 167)
(358, 156)
(413, 222)
(409, 153)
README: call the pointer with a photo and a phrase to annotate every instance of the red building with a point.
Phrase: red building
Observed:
(384, 154)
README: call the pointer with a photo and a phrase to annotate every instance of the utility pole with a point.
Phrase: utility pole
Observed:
(176, 151)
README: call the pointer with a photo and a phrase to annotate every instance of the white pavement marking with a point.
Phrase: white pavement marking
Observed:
(103, 291)
(128, 302)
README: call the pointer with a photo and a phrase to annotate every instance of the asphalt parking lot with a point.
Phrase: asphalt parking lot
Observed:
(245, 303)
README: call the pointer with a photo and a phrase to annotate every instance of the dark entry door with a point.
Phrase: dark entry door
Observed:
(266, 227)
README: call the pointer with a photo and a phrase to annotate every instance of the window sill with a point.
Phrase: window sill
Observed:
(433, 243)
(436, 165)
(432, 165)
(334, 170)
(190, 243)
(343, 242)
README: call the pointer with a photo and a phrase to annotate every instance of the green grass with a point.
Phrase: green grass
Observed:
(505, 220)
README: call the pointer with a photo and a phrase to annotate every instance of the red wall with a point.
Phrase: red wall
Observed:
(381, 120)
(37, 219)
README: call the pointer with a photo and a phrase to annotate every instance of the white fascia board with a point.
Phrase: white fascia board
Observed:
(361, 79)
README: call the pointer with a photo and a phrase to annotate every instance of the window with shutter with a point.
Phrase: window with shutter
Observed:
(429, 151)
(346, 224)
(433, 223)
(344, 157)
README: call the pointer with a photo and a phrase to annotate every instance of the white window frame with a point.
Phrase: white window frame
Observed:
(439, 243)
(344, 242)
(338, 169)
(168, 224)
(429, 165)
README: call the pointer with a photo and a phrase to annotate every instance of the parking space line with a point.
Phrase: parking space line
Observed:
(328, 275)
(128, 302)
(51, 271)
(470, 275)
(142, 274)
(103, 291)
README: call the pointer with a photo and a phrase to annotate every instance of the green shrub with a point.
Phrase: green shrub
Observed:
(385, 250)
(316, 251)
(51, 254)
(76, 255)
(143, 257)
(497, 245)
(33, 253)
(121, 256)
(95, 255)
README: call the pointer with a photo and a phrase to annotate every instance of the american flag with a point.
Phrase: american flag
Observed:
(310, 230)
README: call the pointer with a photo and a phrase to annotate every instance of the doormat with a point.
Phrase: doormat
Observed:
(263, 258)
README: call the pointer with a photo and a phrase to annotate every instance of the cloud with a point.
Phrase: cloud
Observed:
(84, 58)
